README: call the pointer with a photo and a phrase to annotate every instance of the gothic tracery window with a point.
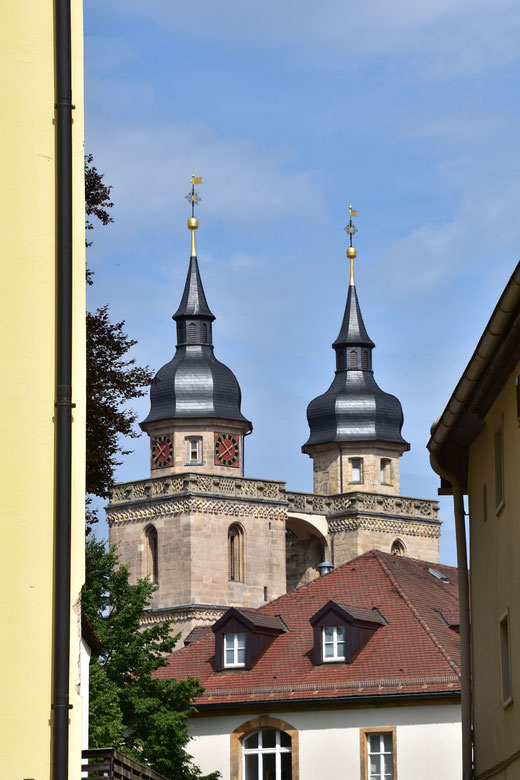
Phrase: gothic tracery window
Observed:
(398, 548)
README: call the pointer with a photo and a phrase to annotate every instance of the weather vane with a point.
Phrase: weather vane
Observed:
(194, 199)
(350, 230)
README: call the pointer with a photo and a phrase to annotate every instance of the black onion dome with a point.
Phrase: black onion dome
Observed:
(194, 383)
(354, 408)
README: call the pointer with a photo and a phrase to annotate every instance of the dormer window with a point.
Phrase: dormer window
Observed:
(242, 635)
(341, 631)
(234, 650)
(333, 643)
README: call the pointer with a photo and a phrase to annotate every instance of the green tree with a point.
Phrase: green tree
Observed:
(143, 716)
(113, 378)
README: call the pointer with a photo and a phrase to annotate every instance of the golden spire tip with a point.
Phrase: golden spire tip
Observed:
(193, 199)
(350, 230)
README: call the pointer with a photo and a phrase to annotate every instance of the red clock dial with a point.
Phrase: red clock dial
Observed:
(162, 451)
(227, 450)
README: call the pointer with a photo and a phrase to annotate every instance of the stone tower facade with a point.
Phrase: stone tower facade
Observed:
(212, 538)
(206, 536)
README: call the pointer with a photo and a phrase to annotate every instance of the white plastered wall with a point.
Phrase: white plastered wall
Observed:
(428, 740)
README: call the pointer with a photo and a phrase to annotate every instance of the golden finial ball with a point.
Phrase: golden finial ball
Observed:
(193, 223)
(351, 252)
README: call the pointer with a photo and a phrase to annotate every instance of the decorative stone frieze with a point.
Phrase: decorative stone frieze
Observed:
(183, 614)
(192, 504)
(387, 525)
(310, 503)
(235, 487)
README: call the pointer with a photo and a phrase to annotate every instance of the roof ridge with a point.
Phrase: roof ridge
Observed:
(422, 622)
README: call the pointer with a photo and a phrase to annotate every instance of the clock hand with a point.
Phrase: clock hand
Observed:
(226, 451)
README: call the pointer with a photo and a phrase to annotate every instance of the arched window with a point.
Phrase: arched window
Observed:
(204, 333)
(364, 360)
(352, 358)
(250, 753)
(341, 360)
(236, 553)
(398, 548)
(192, 330)
(267, 754)
(152, 554)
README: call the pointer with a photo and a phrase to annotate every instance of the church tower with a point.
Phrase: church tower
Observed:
(206, 535)
(355, 443)
(195, 420)
(355, 437)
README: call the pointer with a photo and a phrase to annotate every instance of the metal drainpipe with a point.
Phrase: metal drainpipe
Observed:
(464, 607)
(247, 433)
(63, 403)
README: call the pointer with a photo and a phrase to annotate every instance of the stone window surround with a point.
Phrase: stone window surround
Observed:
(359, 466)
(199, 460)
(363, 752)
(262, 722)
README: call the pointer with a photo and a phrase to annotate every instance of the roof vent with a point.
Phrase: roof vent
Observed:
(440, 576)
(325, 567)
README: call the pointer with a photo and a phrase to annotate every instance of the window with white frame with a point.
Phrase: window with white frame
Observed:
(266, 755)
(333, 648)
(234, 650)
(380, 756)
(194, 450)
(356, 469)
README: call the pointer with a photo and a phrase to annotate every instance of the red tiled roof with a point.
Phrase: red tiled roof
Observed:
(415, 653)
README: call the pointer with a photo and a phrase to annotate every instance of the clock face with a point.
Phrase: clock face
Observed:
(162, 451)
(227, 450)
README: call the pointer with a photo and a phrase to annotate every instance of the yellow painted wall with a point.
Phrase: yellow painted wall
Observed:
(27, 328)
(495, 581)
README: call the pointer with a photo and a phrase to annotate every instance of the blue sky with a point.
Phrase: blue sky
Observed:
(290, 111)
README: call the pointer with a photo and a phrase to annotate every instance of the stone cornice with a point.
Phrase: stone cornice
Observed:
(191, 483)
(183, 613)
(400, 526)
(187, 493)
(148, 510)
(358, 503)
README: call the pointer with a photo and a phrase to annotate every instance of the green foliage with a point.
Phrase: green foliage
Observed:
(143, 716)
(113, 379)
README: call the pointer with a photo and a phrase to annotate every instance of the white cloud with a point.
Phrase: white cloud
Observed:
(150, 165)
(446, 37)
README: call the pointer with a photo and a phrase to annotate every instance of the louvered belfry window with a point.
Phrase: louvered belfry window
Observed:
(204, 333)
(352, 359)
(364, 360)
(192, 330)
(341, 360)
